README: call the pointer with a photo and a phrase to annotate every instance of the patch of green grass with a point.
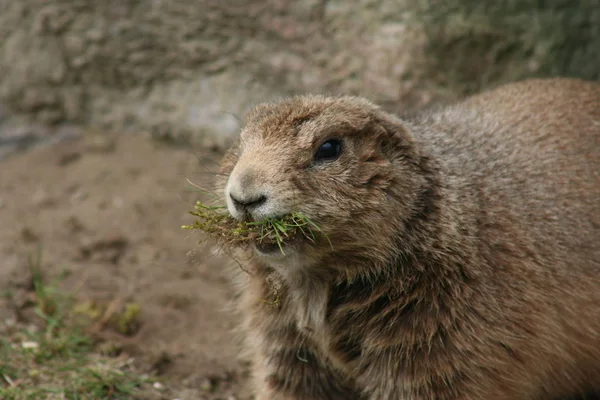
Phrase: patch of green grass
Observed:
(216, 222)
(55, 358)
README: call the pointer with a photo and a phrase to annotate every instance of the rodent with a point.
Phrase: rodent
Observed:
(463, 251)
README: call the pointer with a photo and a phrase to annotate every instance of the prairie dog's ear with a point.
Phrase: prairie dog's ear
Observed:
(395, 138)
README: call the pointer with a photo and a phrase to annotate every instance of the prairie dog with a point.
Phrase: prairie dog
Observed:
(463, 251)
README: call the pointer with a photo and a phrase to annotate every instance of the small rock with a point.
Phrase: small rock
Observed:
(158, 385)
(30, 345)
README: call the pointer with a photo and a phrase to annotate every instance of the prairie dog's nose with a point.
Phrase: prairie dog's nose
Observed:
(243, 204)
(246, 203)
(247, 195)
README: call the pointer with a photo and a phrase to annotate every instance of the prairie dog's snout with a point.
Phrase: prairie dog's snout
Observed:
(246, 193)
(249, 192)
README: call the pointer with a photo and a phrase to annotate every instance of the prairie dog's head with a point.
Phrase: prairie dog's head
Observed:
(343, 162)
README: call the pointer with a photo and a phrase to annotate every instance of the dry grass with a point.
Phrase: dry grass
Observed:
(216, 222)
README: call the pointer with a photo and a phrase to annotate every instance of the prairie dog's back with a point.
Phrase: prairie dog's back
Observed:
(533, 151)
(527, 158)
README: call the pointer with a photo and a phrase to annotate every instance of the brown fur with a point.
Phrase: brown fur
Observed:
(465, 257)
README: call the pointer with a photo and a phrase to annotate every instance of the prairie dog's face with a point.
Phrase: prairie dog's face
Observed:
(328, 158)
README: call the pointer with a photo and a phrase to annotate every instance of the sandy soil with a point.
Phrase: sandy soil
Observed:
(107, 211)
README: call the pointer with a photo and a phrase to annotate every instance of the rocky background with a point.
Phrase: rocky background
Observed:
(193, 67)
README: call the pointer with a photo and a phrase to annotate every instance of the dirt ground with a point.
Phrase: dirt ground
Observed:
(108, 212)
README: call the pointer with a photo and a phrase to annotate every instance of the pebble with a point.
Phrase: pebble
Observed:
(158, 385)
(30, 345)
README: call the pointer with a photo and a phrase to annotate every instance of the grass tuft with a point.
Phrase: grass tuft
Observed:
(54, 358)
(216, 222)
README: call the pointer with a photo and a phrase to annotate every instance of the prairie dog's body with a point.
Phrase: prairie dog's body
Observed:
(465, 246)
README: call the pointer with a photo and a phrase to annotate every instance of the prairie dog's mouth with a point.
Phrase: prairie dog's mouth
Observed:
(282, 234)
(273, 236)
(273, 247)
(268, 235)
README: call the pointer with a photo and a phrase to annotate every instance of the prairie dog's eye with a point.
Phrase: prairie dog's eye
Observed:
(329, 150)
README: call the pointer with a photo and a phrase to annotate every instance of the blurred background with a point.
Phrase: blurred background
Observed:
(108, 107)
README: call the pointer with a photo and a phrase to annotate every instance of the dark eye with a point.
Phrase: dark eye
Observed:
(329, 151)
